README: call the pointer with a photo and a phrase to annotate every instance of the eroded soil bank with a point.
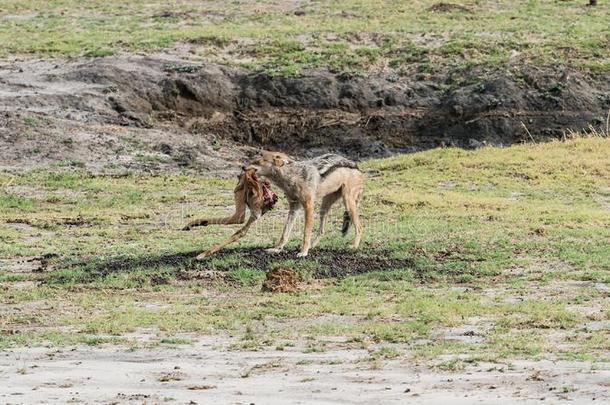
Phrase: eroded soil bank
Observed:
(155, 113)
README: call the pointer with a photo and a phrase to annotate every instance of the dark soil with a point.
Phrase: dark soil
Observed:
(144, 113)
(448, 8)
(322, 263)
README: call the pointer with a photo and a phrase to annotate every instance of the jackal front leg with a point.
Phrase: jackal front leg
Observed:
(292, 211)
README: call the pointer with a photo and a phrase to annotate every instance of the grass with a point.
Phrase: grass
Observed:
(507, 242)
(347, 35)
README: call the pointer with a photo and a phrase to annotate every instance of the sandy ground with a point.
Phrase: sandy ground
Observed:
(206, 372)
(49, 116)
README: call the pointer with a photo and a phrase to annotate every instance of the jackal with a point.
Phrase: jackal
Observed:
(328, 177)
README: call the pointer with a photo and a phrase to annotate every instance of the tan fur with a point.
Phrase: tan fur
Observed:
(247, 193)
(303, 185)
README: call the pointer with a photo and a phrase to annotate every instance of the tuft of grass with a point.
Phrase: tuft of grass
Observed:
(55, 338)
(246, 276)
(31, 122)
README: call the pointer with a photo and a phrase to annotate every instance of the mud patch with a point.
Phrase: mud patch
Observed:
(448, 8)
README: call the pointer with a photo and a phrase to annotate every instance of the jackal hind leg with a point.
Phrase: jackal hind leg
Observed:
(327, 202)
(352, 195)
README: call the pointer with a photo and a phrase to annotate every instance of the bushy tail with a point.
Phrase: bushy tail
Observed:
(347, 220)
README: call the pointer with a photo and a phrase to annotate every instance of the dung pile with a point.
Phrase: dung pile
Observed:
(281, 279)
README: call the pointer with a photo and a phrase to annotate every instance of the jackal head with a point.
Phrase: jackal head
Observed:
(269, 162)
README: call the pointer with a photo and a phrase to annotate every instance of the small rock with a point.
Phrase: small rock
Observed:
(473, 143)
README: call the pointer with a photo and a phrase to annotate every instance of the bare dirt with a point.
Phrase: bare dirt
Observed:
(161, 113)
(207, 372)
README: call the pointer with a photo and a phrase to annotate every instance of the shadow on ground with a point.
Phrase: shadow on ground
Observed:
(320, 263)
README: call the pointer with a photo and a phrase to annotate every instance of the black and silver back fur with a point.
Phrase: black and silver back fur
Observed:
(325, 164)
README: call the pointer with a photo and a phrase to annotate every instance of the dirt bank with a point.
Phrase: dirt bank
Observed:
(138, 112)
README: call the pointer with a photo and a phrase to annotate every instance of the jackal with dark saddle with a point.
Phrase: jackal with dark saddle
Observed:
(328, 177)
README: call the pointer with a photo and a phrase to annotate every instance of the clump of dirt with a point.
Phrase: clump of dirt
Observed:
(78, 221)
(171, 376)
(448, 8)
(281, 279)
(171, 14)
(201, 387)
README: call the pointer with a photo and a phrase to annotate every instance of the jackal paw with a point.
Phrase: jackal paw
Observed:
(203, 256)
(302, 254)
(273, 250)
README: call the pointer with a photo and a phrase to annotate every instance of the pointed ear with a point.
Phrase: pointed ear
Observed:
(281, 160)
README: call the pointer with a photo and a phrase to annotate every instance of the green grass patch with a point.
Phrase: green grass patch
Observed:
(347, 35)
(509, 242)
